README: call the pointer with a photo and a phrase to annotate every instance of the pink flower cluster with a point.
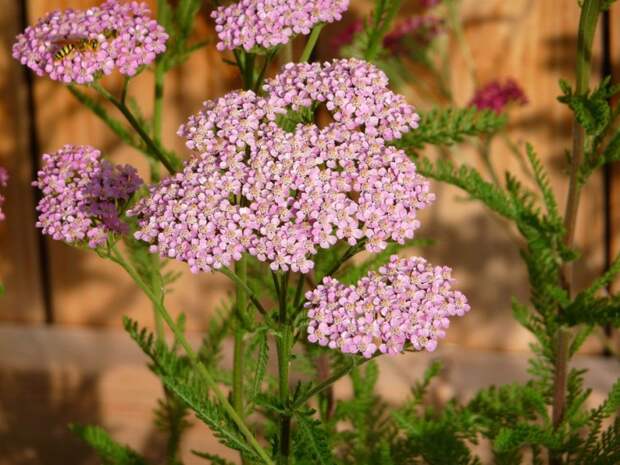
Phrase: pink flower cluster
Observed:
(496, 96)
(100, 39)
(406, 301)
(420, 29)
(83, 195)
(279, 195)
(267, 23)
(4, 180)
(354, 91)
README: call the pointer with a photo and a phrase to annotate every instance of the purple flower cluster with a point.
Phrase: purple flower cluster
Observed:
(267, 23)
(406, 301)
(4, 180)
(496, 96)
(83, 195)
(420, 29)
(80, 45)
(279, 195)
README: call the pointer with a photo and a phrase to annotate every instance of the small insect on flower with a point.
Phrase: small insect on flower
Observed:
(66, 47)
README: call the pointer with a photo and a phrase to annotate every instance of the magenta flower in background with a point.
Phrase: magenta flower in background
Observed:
(419, 29)
(303, 190)
(4, 180)
(83, 195)
(496, 96)
(406, 301)
(346, 35)
(80, 45)
(267, 23)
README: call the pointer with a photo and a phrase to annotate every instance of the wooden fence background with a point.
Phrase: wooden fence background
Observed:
(62, 355)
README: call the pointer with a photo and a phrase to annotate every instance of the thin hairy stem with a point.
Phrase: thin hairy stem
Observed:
(172, 164)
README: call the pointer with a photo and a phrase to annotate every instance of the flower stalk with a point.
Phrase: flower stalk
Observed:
(590, 12)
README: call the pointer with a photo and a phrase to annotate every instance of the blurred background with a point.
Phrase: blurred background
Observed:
(63, 355)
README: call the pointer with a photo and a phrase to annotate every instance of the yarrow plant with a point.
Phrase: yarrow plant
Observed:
(303, 188)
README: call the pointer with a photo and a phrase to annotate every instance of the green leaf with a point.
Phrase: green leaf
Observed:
(523, 434)
(177, 375)
(111, 452)
(592, 111)
(314, 440)
(260, 348)
(542, 180)
(382, 18)
(450, 126)
(212, 458)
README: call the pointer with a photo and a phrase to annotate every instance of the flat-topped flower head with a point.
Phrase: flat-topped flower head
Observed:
(4, 179)
(281, 195)
(266, 23)
(408, 302)
(81, 45)
(83, 195)
(301, 191)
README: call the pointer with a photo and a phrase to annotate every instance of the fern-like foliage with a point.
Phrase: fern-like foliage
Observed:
(312, 442)
(110, 451)
(178, 21)
(591, 110)
(171, 418)
(177, 375)
(451, 126)
(368, 44)
(367, 415)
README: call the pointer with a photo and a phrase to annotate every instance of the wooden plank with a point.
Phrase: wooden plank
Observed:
(53, 376)
(20, 263)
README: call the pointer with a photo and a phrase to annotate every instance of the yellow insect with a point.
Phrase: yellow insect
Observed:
(110, 33)
(66, 47)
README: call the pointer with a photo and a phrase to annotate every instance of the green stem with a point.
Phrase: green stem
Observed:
(239, 282)
(284, 354)
(588, 20)
(312, 40)
(485, 153)
(172, 165)
(117, 257)
(241, 308)
(343, 371)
